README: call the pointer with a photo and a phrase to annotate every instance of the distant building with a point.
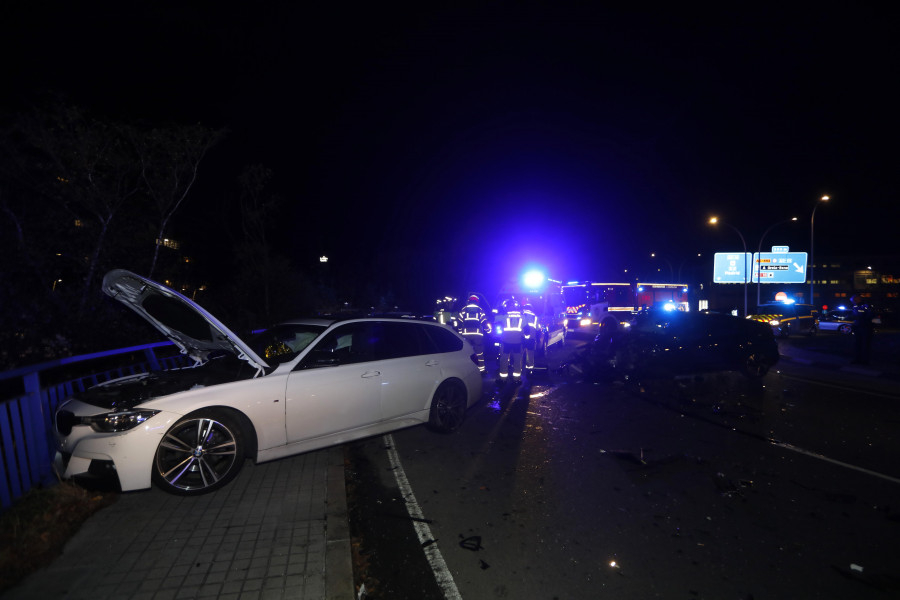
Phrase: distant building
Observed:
(874, 278)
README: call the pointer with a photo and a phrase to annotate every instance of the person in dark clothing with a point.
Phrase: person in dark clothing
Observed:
(863, 332)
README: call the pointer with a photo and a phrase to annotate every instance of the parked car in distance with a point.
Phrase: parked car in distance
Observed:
(787, 318)
(670, 343)
(840, 320)
(299, 386)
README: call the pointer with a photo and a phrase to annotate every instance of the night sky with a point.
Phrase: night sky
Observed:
(454, 145)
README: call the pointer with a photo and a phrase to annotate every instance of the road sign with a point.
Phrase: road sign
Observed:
(780, 267)
(731, 267)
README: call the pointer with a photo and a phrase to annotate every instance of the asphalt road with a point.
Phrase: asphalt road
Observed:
(696, 488)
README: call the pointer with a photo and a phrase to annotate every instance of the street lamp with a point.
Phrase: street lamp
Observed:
(715, 221)
(759, 253)
(812, 263)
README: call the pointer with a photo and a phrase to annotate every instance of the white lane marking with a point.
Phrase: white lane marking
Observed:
(836, 462)
(432, 552)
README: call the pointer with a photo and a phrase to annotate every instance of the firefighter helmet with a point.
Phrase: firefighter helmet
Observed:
(510, 304)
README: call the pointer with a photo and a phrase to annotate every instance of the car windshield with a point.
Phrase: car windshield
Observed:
(839, 314)
(284, 342)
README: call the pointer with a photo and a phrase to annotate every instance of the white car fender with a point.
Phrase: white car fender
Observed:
(260, 399)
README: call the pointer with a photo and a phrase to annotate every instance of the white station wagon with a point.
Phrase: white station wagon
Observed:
(299, 386)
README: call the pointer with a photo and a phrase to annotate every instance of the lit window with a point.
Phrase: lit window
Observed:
(167, 243)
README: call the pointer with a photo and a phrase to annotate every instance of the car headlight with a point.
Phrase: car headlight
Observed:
(774, 322)
(118, 421)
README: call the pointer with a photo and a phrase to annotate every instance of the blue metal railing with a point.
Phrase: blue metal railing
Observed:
(26, 421)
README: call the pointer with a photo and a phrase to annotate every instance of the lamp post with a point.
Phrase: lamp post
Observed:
(812, 263)
(759, 252)
(715, 221)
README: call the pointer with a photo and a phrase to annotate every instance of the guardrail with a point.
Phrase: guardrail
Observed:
(27, 445)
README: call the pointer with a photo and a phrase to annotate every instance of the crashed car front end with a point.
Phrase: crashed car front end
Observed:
(94, 444)
(108, 434)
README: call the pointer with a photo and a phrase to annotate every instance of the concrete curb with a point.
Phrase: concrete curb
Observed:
(339, 583)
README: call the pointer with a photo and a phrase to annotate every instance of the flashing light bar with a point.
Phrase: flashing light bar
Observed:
(533, 279)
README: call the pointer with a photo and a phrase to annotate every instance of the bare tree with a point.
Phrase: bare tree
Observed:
(257, 209)
(170, 159)
(91, 170)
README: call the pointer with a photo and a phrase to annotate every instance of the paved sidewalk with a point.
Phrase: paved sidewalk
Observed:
(279, 531)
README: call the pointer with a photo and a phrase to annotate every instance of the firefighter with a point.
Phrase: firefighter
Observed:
(473, 324)
(530, 334)
(511, 340)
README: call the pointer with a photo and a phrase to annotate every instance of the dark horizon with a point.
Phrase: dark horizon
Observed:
(455, 145)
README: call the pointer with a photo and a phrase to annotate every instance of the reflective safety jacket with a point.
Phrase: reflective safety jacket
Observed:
(530, 327)
(513, 327)
(473, 320)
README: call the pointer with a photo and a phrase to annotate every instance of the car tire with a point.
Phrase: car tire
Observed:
(755, 366)
(845, 329)
(812, 331)
(786, 330)
(448, 407)
(199, 454)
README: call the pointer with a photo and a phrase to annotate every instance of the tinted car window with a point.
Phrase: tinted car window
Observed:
(396, 340)
(347, 344)
(787, 310)
(444, 340)
(836, 315)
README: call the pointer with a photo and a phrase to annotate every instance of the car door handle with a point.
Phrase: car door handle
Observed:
(432, 363)
(368, 374)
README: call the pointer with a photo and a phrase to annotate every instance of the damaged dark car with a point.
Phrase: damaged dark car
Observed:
(673, 343)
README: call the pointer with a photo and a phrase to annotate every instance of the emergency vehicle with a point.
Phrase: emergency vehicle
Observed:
(665, 296)
(786, 318)
(545, 297)
(590, 305)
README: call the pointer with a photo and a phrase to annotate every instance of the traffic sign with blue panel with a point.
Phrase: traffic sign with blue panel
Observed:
(731, 267)
(781, 267)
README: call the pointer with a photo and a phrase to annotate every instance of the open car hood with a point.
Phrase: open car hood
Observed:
(185, 323)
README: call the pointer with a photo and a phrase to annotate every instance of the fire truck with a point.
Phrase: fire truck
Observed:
(545, 297)
(592, 305)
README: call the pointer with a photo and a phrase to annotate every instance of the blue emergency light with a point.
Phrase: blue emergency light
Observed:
(533, 279)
